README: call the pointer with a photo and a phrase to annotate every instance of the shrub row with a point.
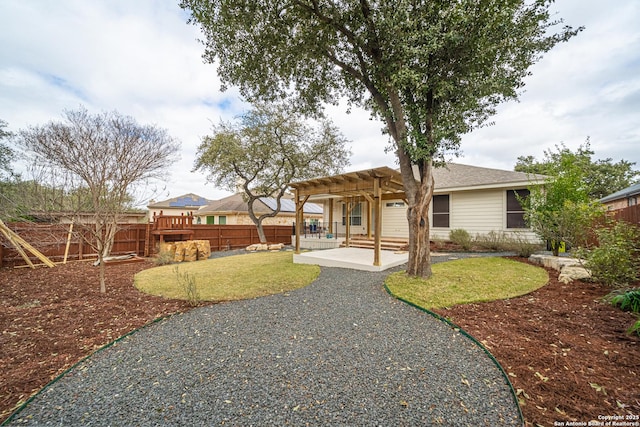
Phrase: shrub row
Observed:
(495, 241)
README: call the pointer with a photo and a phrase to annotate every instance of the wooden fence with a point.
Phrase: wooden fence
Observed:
(51, 240)
(630, 214)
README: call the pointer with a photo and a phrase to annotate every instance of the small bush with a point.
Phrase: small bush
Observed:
(461, 237)
(163, 258)
(616, 260)
(634, 328)
(493, 241)
(188, 283)
(626, 300)
(522, 246)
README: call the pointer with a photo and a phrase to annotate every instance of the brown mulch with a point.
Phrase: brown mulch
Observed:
(51, 318)
(565, 351)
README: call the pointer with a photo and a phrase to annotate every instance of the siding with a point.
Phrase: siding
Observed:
(394, 221)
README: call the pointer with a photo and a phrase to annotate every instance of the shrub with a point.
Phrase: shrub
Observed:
(188, 283)
(522, 246)
(615, 261)
(634, 328)
(461, 237)
(163, 258)
(493, 241)
(627, 300)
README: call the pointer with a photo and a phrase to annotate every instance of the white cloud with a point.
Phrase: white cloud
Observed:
(141, 58)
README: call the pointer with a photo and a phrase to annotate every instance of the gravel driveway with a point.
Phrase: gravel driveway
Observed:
(340, 352)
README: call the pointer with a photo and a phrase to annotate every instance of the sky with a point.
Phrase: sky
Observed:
(142, 59)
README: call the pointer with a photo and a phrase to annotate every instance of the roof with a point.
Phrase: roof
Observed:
(237, 204)
(353, 183)
(185, 201)
(288, 205)
(458, 176)
(452, 177)
(624, 193)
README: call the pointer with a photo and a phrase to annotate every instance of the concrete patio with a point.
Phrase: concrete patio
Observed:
(354, 258)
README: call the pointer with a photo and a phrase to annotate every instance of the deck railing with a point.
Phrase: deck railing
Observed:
(172, 222)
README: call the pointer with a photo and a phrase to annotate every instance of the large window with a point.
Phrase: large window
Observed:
(222, 220)
(440, 211)
(211, 220)
(356, 214)
(515, 212)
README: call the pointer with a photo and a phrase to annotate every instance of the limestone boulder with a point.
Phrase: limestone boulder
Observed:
(573, 272)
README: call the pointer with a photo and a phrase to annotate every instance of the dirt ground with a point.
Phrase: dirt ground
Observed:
(564, 350)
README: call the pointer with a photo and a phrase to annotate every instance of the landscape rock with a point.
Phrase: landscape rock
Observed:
(573, 272)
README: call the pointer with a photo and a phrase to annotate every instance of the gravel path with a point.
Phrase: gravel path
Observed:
(338, 352)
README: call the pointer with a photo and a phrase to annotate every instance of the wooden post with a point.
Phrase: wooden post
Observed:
(377, 195)
(331, 216)
(66, 249)
(299, 217)
(347, 221)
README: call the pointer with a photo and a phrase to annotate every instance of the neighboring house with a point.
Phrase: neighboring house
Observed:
(623, 198)
(234, 210)
(182, 205)
(478, 200)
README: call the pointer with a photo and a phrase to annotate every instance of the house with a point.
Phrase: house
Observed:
(177, 206)
(234, 210)
(476, 199)
(622, 199)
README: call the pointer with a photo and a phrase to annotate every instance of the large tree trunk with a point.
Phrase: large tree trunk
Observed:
(258, 220)
(419, 263)
(263, 238)
(418, 194)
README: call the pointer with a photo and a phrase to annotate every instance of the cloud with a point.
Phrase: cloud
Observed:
(142, 59)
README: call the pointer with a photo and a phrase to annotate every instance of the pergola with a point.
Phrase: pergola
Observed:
(372, 185)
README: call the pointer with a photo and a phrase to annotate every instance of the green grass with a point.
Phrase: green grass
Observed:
(468, 280)
(230, 278)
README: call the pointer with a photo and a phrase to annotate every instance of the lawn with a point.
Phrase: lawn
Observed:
(229, 278)
(467, 281)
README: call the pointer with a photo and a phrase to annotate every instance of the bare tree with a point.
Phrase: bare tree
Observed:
(104, 156)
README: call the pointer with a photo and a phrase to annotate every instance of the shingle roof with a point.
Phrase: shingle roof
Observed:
(626, 192)
(288, 205)
(455, 175)
(185, 201)
(236, 203)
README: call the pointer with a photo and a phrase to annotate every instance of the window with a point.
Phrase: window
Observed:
(440, 211)
(222, 220)
(356, 214)
(211, 220)
(632, 201)
(515, 212)
(395, 205)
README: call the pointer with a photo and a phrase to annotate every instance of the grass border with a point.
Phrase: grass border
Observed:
(473, 340)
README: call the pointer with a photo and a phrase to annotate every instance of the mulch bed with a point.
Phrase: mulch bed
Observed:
(565, 351)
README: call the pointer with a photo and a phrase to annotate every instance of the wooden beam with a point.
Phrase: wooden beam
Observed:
(331, 216)
(369, 208)
(377, 195)
(347, 221)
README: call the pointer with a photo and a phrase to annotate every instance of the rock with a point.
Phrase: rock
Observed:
(573, 272)
(252, 248)
(276, 247)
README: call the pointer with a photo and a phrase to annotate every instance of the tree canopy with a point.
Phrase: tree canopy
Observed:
(266, 149)
(7, 155)
(600, 177)
(102, 158)
(431, 71)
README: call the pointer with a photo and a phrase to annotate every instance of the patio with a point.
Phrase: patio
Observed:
(353, 258)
